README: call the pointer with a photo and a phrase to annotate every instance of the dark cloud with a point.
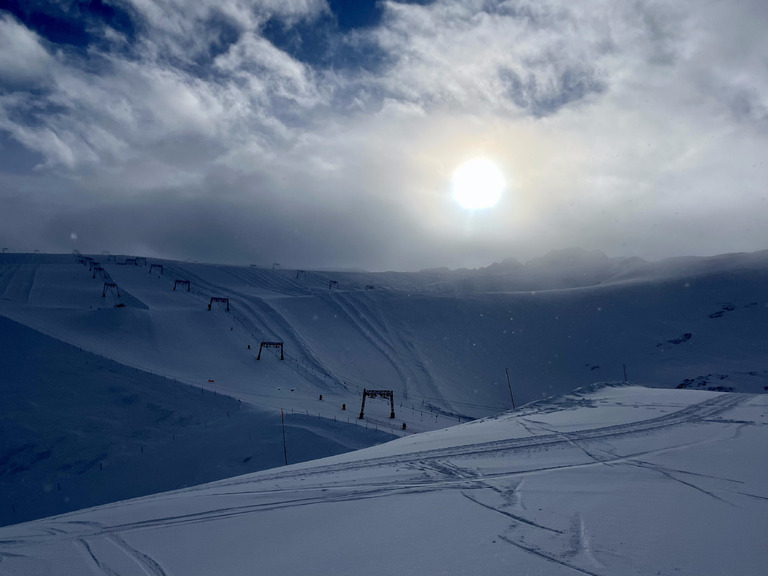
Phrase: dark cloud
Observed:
(561, 88)
(268, 227)
(745, 104)
(660, 25)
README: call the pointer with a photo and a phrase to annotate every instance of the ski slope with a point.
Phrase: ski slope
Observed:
(113, 397)
(440, 340)
(608, 480)
(79, 430)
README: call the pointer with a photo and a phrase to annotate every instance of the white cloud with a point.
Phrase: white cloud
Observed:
(608, 119)
(267, 72)
(23, 59)
(535, 57)
(185, 30)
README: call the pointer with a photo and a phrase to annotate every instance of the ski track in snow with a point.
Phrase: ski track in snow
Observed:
(103, 568)
(149, 564)
(514, 517)
(374, 336)
(467, 482)
(691, 413)
(260, 318)
(672, 477)
(546, 556)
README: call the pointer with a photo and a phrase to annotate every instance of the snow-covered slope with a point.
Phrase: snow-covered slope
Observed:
(429, 337)
(77, 430)
(617, 480)
(441, 340)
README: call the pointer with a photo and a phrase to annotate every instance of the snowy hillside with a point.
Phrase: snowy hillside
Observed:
(113, 396)
(440, 339)
(79, 430)
(610, 481)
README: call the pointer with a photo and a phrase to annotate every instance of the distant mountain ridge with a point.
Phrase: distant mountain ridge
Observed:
(578, 268)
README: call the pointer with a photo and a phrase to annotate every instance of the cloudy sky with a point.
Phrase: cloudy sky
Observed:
(321, 133)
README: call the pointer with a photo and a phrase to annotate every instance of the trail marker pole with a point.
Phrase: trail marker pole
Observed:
(285, 450)
(510, 389)
(625, 372)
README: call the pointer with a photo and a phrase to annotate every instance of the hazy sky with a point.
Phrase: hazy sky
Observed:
(326, 132)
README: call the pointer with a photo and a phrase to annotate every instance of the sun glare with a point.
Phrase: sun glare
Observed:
(477, 184)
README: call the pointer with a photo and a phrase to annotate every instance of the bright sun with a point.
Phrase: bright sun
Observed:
(477, 184)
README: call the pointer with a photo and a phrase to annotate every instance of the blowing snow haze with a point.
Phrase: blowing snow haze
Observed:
(329, 133)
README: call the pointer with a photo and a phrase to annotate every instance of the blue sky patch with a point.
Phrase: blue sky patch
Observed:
(77, 24)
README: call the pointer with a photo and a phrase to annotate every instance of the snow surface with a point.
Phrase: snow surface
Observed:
(548, 490)
(109, 398)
